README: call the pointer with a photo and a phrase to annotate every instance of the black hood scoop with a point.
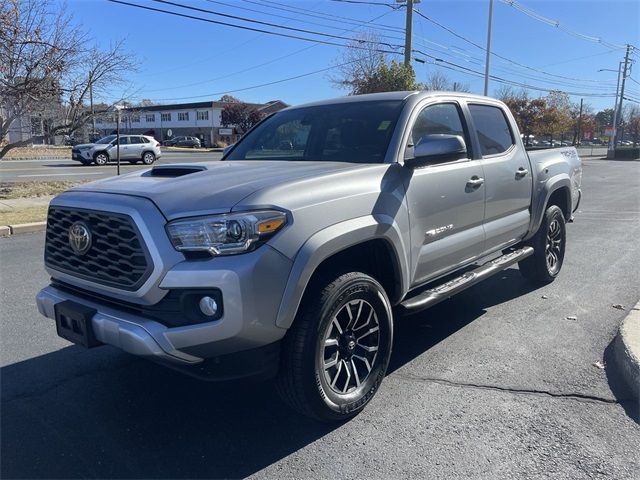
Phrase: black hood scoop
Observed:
(174, 170)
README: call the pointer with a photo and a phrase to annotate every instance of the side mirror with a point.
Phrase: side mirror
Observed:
(437, 148)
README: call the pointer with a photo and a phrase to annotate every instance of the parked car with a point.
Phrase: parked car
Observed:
(192, 142)
(297, 261)
(133, 149)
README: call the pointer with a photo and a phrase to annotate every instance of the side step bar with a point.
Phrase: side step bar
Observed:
(442, 292)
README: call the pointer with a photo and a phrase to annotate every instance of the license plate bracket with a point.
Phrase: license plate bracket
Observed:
(73, 323)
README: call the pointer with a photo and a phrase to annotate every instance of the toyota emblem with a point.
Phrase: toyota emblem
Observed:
(80, 238)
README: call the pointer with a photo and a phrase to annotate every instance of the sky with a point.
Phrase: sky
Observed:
(187, 60)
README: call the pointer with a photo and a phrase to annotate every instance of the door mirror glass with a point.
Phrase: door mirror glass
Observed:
(437, 148)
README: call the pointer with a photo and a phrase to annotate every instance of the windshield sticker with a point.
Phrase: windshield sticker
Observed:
(384, 125)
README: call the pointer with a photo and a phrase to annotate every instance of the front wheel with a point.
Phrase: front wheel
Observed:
(548, 248)
(101, 158)
(336, 353)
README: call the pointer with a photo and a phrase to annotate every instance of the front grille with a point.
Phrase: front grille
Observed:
(117, 256)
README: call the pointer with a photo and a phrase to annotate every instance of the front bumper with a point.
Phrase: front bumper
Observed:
(241, 343)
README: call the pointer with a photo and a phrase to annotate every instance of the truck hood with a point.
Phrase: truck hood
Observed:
(210, 187)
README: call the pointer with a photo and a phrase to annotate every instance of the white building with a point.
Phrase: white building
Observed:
(201, 119)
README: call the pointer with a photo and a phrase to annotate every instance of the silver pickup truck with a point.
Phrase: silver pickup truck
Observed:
(292, 256)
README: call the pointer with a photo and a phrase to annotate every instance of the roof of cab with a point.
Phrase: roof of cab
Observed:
(402, 95)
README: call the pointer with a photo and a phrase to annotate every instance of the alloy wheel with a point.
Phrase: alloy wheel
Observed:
(350, 346)
(553, 248)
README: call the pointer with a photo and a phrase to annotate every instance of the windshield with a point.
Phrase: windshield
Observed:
(349, 132)
(107, 139)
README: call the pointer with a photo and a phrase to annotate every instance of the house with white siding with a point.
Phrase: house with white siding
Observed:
(200, 119)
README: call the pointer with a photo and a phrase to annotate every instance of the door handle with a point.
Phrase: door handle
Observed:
(475, 181)
(522, 172)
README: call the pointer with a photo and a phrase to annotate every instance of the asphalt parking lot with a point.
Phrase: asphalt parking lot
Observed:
(497, 382)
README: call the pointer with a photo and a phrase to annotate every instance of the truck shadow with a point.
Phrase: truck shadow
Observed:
(100, 413)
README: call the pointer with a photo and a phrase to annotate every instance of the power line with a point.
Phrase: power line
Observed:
(315, 72)
(361, 2)
(463, 69)
(259, 22)
(252, 29)
(295, 19)
(498, 55)
(321, 15)
(253, 67)
(555, 23)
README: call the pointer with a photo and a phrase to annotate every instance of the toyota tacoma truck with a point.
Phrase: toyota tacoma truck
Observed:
(293, 256)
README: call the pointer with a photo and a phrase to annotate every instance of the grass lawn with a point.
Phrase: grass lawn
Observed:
(23, 215)
(10, 190)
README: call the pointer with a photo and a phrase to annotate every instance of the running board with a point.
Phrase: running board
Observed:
(442, 292)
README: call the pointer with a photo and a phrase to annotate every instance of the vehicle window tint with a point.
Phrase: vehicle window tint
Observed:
(443, 118)
(123, 141)
(492, 128)
(357, 132)
(287, 140)
(136, 140)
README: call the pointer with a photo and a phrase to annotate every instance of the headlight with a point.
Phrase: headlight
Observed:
(225, 234)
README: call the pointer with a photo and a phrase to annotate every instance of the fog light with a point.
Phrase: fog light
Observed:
(208, 306)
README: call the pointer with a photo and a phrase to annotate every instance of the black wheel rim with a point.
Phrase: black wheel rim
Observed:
(350, 346)
(553, 248)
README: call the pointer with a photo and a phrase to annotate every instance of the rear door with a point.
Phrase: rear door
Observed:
(508, 179)
(136, 147)
(446, 199)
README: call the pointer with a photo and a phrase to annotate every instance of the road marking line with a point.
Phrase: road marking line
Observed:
(60, 174)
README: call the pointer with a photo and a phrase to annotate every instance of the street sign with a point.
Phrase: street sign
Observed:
(609, 131)
(169, 133)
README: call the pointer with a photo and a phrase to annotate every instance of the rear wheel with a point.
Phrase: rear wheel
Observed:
(101, 158)
(148, 158)
(336, 353)
(548, 248)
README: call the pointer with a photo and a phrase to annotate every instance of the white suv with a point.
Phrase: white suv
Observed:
(133, 149)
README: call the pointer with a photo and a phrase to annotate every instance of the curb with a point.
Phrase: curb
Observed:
(626, 350)
(8, 230)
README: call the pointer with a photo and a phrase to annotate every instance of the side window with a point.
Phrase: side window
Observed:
(123, 141)
(442, 118)
(492, 127)
(438, 119)
(135, 140)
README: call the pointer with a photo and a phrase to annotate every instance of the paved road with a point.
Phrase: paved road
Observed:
(495, 383)
(29, 170)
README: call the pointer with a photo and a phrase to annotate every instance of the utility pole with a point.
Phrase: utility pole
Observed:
(611, 148)
(579, 123)
(488, 59)
(624, 77)
(408, 33)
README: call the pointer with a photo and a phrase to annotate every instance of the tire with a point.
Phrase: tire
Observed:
(148, 158)
(548, 244)
(336, 353)
(101, 158)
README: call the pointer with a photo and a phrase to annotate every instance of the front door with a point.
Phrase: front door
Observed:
(124, 146)
(508, 180)
(446, 199)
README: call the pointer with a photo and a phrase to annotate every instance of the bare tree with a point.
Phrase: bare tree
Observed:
(437, 81)
(440, 81)
(48, 73)
(360, 61)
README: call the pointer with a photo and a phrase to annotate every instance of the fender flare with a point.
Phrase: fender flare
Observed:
(332, 240)
(542, 198)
